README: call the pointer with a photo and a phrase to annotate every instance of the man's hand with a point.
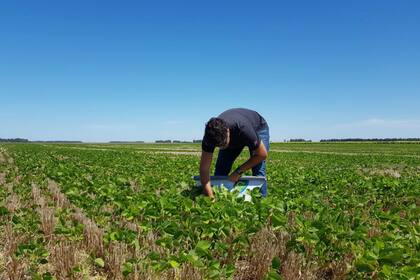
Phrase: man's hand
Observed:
(208, 190)
(234, 177)
(257, 156)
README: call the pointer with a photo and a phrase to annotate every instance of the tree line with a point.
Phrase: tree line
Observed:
(13, 140)
(371, 140)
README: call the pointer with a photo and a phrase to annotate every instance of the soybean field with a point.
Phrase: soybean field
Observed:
(132, 211)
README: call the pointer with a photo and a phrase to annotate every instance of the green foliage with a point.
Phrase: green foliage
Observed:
(99, 262)
(333, 207)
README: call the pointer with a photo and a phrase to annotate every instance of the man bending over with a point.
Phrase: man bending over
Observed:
(231, 131)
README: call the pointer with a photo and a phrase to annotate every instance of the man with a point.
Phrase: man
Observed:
(231, 131)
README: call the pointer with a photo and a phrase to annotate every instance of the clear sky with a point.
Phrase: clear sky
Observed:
(146, 70)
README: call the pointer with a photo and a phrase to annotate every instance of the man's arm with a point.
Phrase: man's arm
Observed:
(258, 155)
(205, 164)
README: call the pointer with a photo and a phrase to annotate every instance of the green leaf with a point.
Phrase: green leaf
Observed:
(48, 276)
(203, 244)
(391, 255)
(99, 262)
(3, 211)
(386, 270)
(174, 264)
(154, 256)
(214, 274)
(275, 263)
(128, 268)
(272, 275)
(278, 220)
(364, 265)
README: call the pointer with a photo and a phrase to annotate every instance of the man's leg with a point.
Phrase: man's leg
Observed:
(260, 169)
(225, 161)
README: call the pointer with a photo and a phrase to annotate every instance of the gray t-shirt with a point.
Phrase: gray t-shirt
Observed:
(244, 125)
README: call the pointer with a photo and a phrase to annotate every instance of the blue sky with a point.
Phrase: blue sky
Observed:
(146, 70)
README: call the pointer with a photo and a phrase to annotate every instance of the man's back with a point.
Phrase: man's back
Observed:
(243, 117)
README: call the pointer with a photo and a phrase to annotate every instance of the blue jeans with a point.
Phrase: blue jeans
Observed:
(227, 157)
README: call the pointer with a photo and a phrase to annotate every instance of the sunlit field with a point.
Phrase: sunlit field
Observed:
(131, 211)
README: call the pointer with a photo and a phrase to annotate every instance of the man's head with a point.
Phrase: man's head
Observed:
(217, 132)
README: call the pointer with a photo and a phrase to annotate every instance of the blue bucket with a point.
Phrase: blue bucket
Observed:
(244, 184)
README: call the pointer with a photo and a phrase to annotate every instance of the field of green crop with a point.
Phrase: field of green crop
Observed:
(131, 211)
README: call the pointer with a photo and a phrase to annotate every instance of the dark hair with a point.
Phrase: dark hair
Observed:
(216, 131)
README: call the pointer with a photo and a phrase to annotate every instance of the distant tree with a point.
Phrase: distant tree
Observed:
(116, 142)
(299, 140)
(58, 141)
(163, 141)
(15, 140)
